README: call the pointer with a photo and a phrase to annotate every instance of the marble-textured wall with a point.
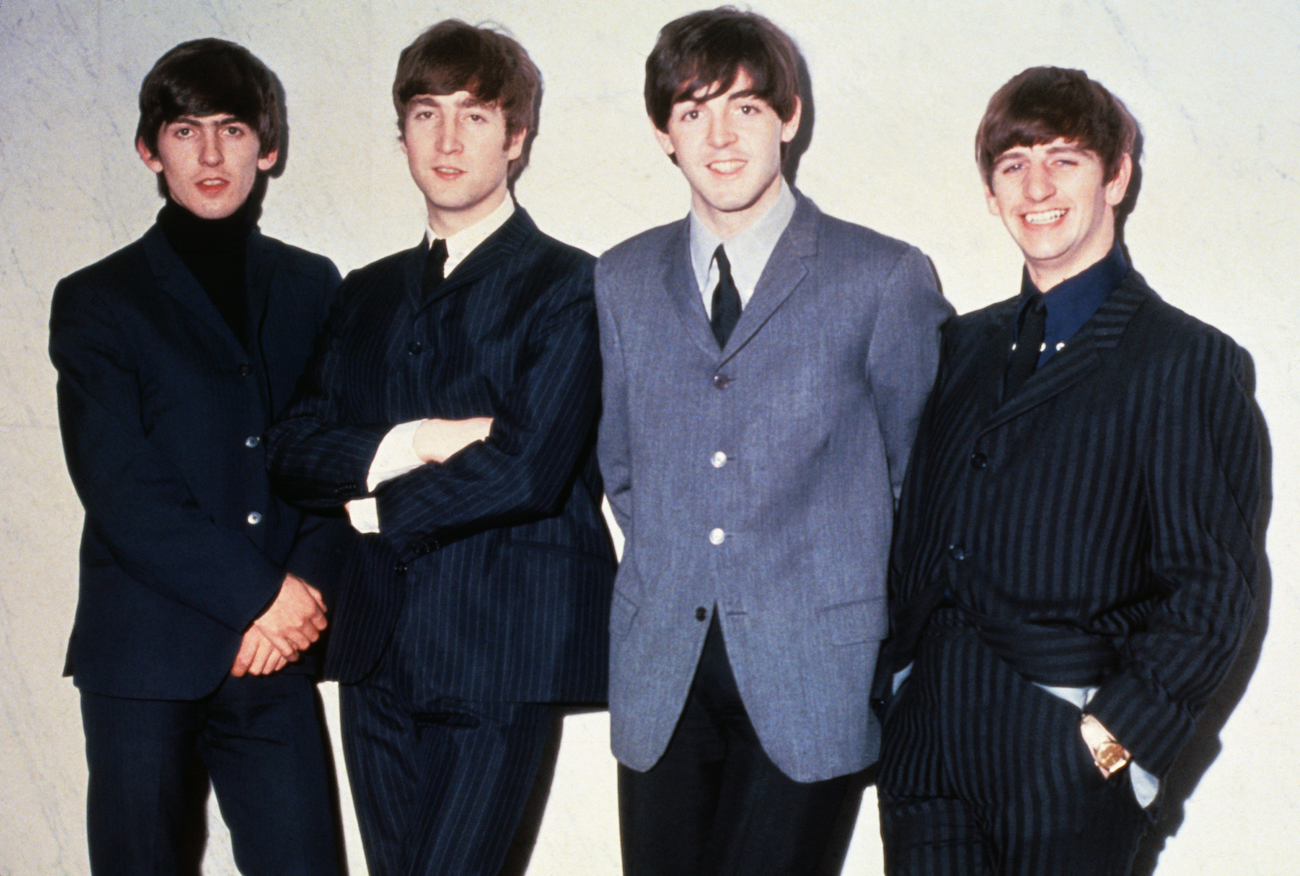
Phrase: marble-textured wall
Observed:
(897, 91)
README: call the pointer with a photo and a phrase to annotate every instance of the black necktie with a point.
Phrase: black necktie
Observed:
(726, 300)
(1029, 344)
(434, 265)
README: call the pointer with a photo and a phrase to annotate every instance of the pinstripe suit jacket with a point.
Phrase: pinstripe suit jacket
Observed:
(812, 405)
(499, 558)
(1112, 499)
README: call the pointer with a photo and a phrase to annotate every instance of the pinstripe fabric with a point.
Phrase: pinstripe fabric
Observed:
(1114, 496)
(486, 593)
(499, 555)
(1000, 783)
(439, 792)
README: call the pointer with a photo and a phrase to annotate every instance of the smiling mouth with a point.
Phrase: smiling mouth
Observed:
(212, 186)
(726, 166)
(448, 172)
(1046, 217)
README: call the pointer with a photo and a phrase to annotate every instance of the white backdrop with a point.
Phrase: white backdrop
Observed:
(897, 91)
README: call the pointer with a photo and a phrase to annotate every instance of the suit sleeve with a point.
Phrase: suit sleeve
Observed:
(612, 440)
(135, 499)
(316, 457)
(1203, 492)
(904, 355)
(525, 468)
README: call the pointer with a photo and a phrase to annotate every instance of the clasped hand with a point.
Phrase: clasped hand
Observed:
(292, 622)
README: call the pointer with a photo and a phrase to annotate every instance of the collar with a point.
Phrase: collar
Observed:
(1072, 302)
(748, 251)
(465, 241)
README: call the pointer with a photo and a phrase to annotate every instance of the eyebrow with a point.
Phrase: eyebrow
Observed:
(464, 103)
(1025, 151)
(747, 94)
(195, 122)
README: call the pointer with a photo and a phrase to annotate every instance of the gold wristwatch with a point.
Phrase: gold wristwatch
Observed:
(1109, 756)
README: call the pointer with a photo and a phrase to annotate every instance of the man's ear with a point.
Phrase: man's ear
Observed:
(992, 200)
(790, 127)
(267, 161)
(515, 144)
(1117, 188)
(150, 160)
(665, 142)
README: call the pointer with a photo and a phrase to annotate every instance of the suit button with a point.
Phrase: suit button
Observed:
(957, 552)
(721, 381)
(252, 441)
(718, 460)
(245, 370)
(254, 518)
(414, 347)
(978, 461)
(717, 536)
(701, 613)
(400, 568)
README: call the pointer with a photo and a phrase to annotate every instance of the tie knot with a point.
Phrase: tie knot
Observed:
(438, 254)
(435, 264)
(720, 256)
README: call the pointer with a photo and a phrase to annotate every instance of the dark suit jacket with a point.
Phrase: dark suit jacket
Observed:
(501, 550)
(1098, 527)
(162, 413)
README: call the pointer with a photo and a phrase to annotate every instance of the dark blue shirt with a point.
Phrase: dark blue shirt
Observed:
(1071, 302)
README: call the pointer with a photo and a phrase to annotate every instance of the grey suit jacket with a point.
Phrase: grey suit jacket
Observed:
(760, 479)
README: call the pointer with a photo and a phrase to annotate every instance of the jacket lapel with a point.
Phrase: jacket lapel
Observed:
(1081, 356)
(684, 292)
(493, 253)
(784, 271)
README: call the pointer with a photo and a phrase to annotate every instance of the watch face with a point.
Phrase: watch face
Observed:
(1111, 757)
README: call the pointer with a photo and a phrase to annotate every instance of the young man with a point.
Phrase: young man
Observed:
(764, 369)
(454, 412)
(198, 586)
(1075, 562)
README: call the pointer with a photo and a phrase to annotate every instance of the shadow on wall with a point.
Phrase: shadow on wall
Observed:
(1204, 747)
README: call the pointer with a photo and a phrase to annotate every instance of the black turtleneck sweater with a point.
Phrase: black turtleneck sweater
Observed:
(215, 251)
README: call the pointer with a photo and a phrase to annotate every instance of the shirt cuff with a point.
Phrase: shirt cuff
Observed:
(394, 457)
(363, 514)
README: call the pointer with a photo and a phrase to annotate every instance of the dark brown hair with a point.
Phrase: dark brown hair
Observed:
(454, 56)
(1043, 103)
(708, 49)
(206, 77)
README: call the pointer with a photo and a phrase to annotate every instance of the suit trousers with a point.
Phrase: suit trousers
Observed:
(439, 791)
(982, 772)
(262, 742)
(715, 803)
